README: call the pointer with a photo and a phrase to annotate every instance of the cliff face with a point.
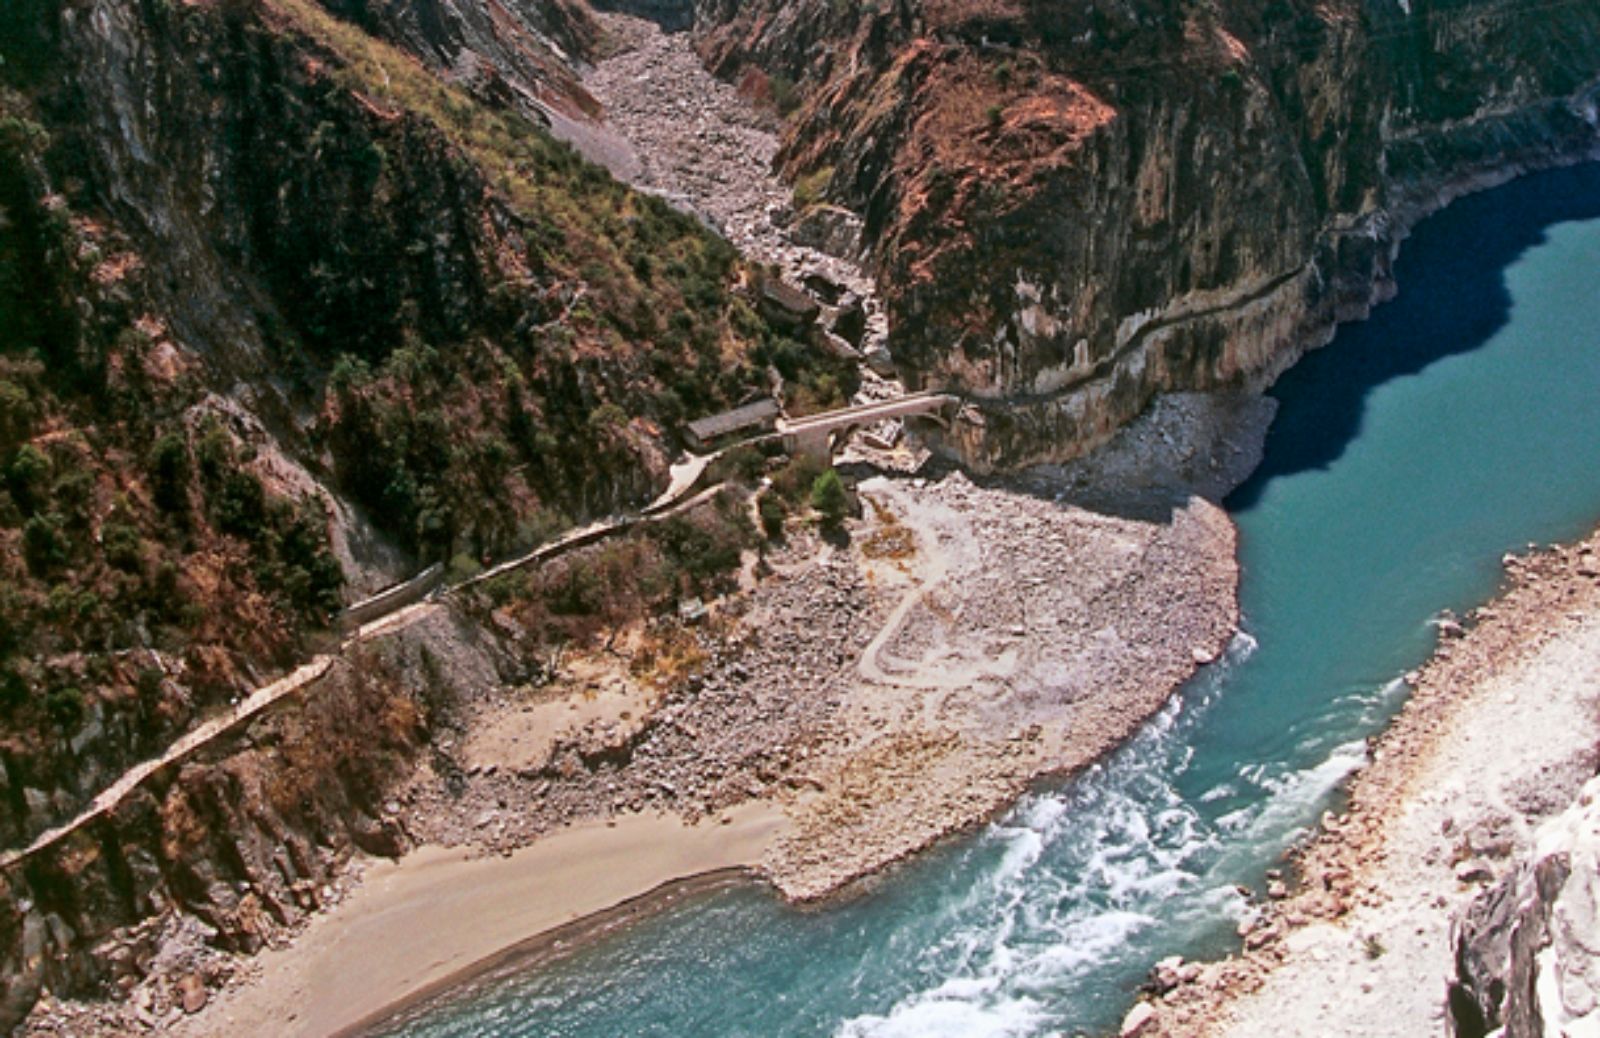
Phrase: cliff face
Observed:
(520, 54)
(1527, 950)
(230, 848)
(1073, 207)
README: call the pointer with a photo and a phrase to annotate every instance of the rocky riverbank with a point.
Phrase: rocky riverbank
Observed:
(1499, 734)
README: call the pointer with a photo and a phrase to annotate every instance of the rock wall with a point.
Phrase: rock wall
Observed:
(520, 53)
(1527, 950)
(1074, 207)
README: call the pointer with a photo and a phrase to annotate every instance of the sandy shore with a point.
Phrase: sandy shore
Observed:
(438, 915)
(1500, 733)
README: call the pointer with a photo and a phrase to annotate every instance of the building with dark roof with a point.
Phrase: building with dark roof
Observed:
(758, 417)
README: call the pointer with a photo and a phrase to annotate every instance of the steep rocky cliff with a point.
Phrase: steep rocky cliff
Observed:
(1527, 949)
(1075, 206)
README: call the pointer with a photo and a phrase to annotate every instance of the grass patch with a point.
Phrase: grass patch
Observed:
(812, 187)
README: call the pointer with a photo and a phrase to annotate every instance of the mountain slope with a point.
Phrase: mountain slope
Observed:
(1075, 206)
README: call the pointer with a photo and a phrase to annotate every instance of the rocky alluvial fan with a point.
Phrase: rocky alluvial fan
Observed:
(298, 296)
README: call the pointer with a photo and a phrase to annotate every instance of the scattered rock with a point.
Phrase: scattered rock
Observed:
(192, 993)
(1138, 1020)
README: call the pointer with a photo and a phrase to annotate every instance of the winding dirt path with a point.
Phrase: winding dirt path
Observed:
(111, 796)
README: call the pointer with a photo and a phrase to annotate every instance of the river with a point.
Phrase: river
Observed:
(1460, 422)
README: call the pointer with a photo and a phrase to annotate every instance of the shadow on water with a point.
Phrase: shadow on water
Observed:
(1460, 254)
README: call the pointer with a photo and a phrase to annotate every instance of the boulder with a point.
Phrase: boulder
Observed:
(879, 360)
(1138, 1020)
(830, 229)
(850, 320)
(786, 306)
(192, 993)
(824, 288)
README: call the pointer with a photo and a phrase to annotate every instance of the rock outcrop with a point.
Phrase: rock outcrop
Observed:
(1073, 207)
(1527, 950)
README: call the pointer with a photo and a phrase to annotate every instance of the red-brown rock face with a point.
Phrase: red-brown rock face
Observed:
(1075, 206)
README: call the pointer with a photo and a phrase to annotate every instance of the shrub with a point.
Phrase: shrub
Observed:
(704, 547)
(241, 506)
(745, 464)
(44, 544)
(773, 512)
(122, 546)
(29, 472)
(73, 491)
(795, 479)
(17, 413)
(608, 421)
(13, 690)
(785, 95)
(462, 567)
(809, 189)
(65, 705)
(349, 373)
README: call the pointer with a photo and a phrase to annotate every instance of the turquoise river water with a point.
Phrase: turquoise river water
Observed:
(1461, 421)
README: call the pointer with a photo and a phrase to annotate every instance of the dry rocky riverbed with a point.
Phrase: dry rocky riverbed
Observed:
(702, 145)
(869, 694)
(885, 692)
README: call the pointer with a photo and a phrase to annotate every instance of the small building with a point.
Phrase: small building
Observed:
(712, 430)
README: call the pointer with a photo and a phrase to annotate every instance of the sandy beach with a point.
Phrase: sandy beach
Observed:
(438, 915)
(1500, 734)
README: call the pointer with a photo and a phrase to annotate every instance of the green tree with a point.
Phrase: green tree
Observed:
(773, 512)
(29, 472)
(65, 705)
(44, 543)
(122, 545)
(169, 473)
(17, 413)
(829, 499)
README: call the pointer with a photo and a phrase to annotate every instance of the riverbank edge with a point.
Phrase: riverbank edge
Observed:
(440, 918)
(1347, 864)
(547, 945)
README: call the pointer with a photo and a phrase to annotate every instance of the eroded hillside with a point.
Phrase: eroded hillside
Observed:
(286, 314)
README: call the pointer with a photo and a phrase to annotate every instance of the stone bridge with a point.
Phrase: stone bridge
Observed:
(819, 434)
